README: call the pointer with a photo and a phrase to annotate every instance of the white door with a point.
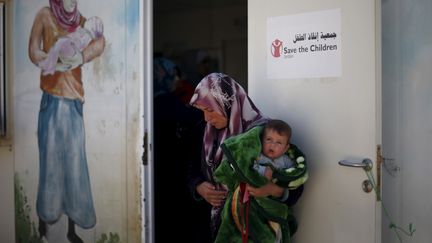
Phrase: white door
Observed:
(333, 118)
(407, 113)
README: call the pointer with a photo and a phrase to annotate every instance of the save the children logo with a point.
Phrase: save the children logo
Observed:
(276, 48)
(305, 43)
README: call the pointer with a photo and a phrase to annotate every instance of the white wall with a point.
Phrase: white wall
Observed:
(7, 209)
(7, 226)
(113, 113)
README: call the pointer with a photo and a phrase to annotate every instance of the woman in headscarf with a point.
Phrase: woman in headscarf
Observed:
(164, 76)
(228, 111)
(64, 180)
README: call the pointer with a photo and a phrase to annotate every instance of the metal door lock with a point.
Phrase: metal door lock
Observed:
(367, 186)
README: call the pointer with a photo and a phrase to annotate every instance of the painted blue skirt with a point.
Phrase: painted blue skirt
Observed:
(64, 183)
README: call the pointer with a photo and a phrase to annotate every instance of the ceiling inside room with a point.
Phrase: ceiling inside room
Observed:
(167, 6)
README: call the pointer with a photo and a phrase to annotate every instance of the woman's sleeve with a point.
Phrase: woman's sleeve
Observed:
(194, 172)
(194, 177)
(294, 196)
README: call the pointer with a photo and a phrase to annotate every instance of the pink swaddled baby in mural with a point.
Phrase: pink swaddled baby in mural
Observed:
(71, 45)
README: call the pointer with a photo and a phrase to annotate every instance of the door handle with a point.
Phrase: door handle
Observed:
(366, 164)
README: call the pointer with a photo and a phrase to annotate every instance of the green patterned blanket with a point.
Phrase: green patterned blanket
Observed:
(266, 219)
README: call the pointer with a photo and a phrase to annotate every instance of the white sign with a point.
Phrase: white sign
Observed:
(306, 45)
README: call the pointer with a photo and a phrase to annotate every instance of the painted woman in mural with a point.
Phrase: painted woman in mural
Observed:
(64, 183)
(69, 45)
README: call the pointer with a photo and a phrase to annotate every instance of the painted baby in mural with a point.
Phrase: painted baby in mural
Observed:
(68, 46)
(64, 181)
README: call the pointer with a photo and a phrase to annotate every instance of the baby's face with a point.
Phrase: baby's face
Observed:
(274, 144)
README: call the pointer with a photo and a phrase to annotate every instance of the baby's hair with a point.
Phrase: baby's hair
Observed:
(95, 25)
(281, 127)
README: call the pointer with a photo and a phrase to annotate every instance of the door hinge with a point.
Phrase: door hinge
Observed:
(379, 160)
(145, 152)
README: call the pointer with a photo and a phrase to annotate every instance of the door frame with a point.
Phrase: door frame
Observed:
(148, 172)
(148, 221)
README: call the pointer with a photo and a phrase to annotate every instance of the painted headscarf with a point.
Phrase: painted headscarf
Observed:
(223, 94)
(67, 21)
(164, 76)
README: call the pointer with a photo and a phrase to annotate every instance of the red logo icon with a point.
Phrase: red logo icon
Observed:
(276, 48)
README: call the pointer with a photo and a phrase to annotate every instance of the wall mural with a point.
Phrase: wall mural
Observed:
(61, 41)
(68, 188)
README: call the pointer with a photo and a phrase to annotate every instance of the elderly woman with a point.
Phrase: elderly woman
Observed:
(228, 111)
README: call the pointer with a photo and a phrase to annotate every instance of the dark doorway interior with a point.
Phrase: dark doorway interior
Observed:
(203, 36)
(199, 37)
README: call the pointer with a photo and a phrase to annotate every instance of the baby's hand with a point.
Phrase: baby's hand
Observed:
(268, 173)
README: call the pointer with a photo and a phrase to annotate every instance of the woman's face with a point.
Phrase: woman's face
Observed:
(216, 119)
(69, 5)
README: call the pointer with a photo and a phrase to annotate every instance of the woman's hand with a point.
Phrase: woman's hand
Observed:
(209, 192)
(269, 189)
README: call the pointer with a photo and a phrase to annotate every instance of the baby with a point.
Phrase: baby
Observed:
(275, 143)
(258, 158)
(69, 45)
